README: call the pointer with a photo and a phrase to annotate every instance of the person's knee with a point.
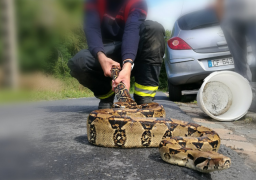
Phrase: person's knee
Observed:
(77, 64)
(71, 64)
(152, 43)
(152, 28)
(74, 68)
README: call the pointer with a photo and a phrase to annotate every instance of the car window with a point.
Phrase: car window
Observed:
(199, 19)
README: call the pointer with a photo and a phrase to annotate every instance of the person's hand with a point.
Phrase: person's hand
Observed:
(124, 76)
(218, 6)
(107, 63)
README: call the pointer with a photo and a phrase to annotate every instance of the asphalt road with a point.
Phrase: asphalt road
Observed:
(47, 140)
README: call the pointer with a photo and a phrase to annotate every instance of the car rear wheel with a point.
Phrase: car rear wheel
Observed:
(174, 92)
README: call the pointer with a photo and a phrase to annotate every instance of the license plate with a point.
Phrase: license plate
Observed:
(220, 62)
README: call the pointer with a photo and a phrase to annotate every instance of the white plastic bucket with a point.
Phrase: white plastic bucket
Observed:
(225, 96)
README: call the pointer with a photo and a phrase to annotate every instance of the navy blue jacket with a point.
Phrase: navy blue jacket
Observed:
(116, 20)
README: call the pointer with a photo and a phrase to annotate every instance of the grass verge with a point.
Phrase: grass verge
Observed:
(45, 90)
(7, 96)
(39, 87)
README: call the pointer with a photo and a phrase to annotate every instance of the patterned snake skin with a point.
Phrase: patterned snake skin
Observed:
(129, 125)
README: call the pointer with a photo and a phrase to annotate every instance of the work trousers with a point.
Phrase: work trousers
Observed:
(147, 65)
(237, 33)
(240, 33)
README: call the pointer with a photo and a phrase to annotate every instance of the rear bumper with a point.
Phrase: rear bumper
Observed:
(187, 66)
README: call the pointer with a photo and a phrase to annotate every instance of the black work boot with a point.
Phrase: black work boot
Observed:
(106, 103)
(143, 100)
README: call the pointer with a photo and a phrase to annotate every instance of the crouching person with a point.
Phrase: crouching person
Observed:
(118, 34)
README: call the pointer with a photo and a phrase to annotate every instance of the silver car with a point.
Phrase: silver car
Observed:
(196, 49)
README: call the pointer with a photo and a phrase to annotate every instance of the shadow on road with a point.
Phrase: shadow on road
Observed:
(156, 157)
(161, 97)
(197, 175)
(82, 140)
(80, 109)
(190, 173)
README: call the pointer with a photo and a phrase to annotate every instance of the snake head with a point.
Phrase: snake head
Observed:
(211, 161)
(114, 72)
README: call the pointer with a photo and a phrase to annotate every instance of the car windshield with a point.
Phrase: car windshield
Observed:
(199, 19)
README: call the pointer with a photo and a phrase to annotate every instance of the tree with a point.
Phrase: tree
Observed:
(10, 45)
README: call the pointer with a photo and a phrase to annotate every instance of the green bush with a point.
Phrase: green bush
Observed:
(49, 32)
(163, 81)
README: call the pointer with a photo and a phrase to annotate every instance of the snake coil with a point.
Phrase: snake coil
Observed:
(129, 125)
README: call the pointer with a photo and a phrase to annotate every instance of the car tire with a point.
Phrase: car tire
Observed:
(174, 92)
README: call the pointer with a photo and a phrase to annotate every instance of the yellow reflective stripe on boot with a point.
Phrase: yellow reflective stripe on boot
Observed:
(144, 94)
(141, 90)
(109, 94)
(149, 88)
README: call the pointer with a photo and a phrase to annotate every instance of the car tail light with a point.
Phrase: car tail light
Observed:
(177, 43)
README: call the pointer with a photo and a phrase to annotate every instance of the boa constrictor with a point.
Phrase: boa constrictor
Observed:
(129, 125)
